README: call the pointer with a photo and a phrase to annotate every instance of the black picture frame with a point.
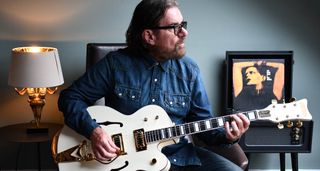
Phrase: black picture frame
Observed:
(251, 62)
(264, 136)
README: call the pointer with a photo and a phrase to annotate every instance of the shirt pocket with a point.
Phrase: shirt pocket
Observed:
(128, 95)
(177, 104)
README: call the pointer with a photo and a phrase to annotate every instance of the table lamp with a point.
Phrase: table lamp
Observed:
(35, 71)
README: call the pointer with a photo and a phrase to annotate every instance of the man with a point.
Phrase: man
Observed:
(153, 69)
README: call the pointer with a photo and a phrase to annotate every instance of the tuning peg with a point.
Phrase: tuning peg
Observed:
(299, 124)
(296, 130)
(280, 126)
(289, 124)
(296, 137)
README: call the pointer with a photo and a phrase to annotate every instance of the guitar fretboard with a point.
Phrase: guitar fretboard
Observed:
(192, 128)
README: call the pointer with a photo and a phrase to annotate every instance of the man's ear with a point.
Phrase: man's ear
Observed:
(148, 36)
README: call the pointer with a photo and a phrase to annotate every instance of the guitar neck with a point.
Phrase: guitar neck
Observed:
(196, 127)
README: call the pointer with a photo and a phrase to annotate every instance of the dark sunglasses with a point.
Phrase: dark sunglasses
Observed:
(176, 28)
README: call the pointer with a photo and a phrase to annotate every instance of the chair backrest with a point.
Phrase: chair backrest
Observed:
(97, 51)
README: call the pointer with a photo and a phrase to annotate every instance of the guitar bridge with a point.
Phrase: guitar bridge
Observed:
(140, 140)
(118, 141)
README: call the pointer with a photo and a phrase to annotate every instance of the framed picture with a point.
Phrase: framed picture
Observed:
(253, 80)
(256, 78)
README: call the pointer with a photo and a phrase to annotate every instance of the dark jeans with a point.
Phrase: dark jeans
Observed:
(210, 161)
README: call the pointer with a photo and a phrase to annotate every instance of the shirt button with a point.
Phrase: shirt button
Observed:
(175, 160)
(171, 103)
(183, 103)
(153, 100)
(155, 80)
(133, 97)
(120, 94)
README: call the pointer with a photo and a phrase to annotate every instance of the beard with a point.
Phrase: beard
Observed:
(177, 52)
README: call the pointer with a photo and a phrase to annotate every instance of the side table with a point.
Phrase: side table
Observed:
(17, 133)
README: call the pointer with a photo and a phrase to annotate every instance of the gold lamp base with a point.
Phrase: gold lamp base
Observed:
(37, 101)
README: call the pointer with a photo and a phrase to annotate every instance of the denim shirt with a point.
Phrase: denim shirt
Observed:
(130, 82)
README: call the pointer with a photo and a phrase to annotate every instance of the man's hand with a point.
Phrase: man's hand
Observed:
(239, 125)
(102, 145)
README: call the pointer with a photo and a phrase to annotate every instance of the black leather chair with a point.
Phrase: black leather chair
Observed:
(96, 51)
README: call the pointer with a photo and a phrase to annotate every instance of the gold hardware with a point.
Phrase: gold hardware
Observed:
(289, 124)
(76, 153)
(36, 100)
(299, 124)
(139, 139)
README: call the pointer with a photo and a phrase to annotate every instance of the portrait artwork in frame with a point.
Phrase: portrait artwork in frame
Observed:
(256, 78)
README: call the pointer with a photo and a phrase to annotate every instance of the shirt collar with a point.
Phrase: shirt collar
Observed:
(151, 62)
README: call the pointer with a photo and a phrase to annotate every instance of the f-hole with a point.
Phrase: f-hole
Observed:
(120, 168)
(106, 123)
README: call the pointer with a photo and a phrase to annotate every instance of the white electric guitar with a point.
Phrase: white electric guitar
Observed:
(141, 136)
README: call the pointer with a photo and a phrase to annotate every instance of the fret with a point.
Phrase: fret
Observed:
(214, 122)
(174, 131)
(181, 130)
(196, 126)
(191, 128)
(150, 136)
(203, 125)
(187, 128)
(208, 125)
(177, 129)
(153, 138)
(163, 136)
(161, 133)
(169, 131)
(158, 134)
(147, 136)
(227, 119)
(155, 135)
(220, 121)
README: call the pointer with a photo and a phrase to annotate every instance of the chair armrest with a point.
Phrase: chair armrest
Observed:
(233, 153)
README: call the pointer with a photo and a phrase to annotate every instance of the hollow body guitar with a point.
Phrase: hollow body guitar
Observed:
(142, 135)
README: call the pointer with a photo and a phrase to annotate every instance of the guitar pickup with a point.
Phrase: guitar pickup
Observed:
(118, 141)
(140, 140)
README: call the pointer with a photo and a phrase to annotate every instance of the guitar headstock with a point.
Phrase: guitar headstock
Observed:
(296, 110)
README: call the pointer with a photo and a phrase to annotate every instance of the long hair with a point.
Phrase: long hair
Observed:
(147, 14)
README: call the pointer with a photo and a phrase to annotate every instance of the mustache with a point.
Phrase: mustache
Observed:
(181, 41)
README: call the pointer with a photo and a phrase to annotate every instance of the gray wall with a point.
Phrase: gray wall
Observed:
(215, 26)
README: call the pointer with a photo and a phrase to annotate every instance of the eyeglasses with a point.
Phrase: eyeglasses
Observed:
(176, 27)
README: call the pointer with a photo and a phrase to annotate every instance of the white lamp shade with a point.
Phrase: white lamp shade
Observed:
(35, 69)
